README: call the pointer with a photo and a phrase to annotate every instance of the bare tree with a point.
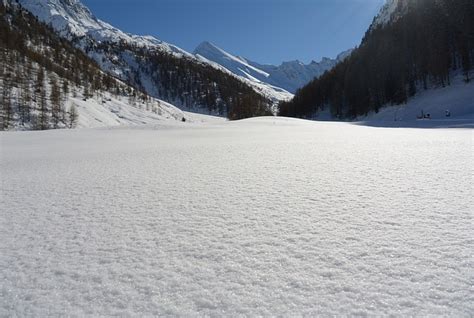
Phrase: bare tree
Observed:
(73, 116)
(55, 98)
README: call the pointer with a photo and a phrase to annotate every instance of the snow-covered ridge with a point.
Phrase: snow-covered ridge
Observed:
(390, 12)
(70, 18)
(290, 76)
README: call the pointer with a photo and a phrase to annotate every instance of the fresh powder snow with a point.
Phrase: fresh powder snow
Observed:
(262, 217)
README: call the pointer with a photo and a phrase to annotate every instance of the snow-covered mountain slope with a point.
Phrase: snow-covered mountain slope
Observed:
(289, 75)
(58, 86)
(456, 99)
(274, 93)
(390, 12)
(74, 20)
(113, 111)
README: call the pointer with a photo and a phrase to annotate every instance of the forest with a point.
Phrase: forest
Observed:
(39, 70)
(429, 43)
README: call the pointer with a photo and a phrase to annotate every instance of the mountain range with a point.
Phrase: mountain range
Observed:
(75, 21)
(389, 67)
(290, 75)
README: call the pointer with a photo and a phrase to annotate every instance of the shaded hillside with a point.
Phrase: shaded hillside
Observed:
(424, 46)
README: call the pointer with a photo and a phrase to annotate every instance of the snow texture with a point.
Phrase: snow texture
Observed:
(263, 217)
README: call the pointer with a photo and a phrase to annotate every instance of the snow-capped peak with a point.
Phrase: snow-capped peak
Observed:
(232, 63)
(73, 19)
(289, 75)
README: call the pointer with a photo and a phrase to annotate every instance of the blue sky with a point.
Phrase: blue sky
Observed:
(266, 31)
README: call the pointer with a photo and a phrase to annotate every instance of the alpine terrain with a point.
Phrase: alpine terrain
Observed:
(48, 83)
(141, 180)
(160, 69)
(289, 75)
(411, 47)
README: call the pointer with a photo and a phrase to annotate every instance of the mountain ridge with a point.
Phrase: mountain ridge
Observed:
(159, 68)
(73, 20)
(289, 75)
(390, 12)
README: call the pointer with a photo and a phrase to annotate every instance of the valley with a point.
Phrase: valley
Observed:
(139, 179)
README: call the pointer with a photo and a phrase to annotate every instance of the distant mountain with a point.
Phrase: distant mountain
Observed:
(160, 69)
(412, 46)
(289, 76)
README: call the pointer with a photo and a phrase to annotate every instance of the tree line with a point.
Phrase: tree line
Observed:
(431, 41)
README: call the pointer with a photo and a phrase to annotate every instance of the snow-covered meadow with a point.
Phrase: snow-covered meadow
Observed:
(259, 217)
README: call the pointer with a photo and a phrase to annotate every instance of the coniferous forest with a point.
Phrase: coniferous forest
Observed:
(38, 70)
(425, 46)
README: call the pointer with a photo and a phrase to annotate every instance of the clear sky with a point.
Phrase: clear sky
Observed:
(265, 31)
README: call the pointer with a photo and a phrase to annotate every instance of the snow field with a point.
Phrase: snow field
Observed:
(266, 217)
(458, 98)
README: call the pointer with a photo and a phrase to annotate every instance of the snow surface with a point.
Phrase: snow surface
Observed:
(262, 217)
(113, 111)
